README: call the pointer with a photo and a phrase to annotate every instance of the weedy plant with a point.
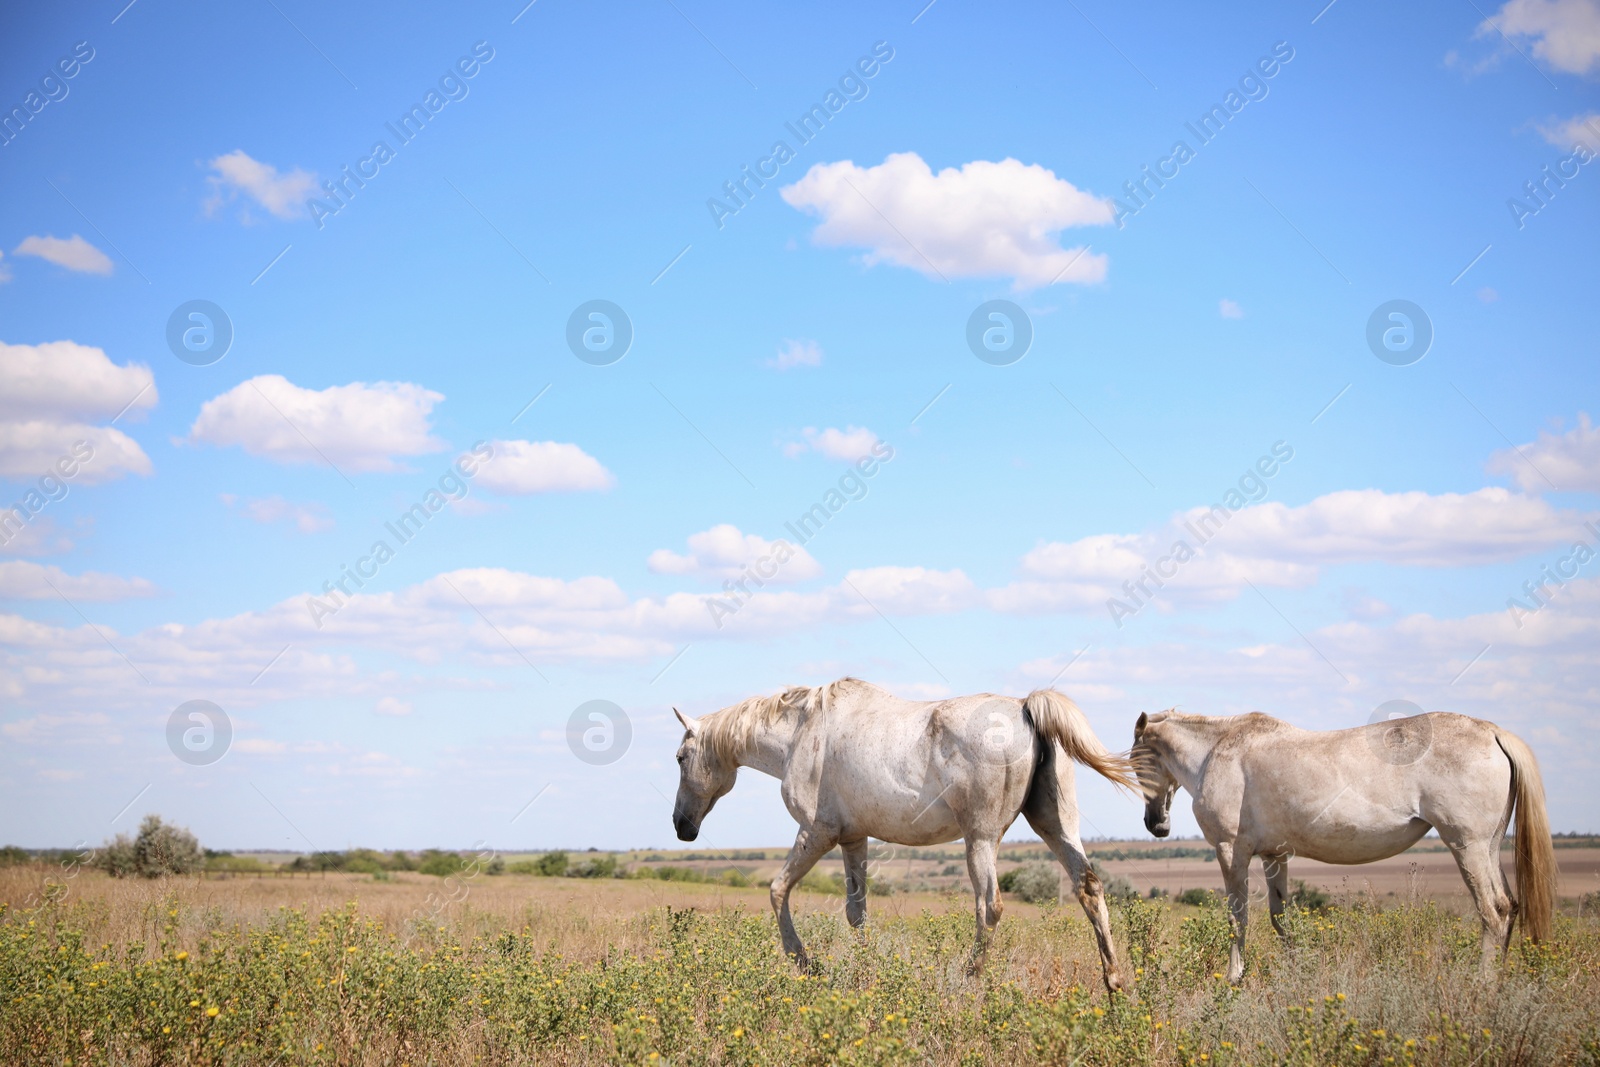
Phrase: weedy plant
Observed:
(173, 972)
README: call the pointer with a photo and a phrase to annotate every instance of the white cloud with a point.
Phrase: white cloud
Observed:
(63, 379)
(1563, 33)
(985, 220)
(20, 580)
(523, 467)
(283, 195)
(307, 518)
(847, 445)
(392, 706)
(357, 427)
(1272, 544)
(1571, 460)
(911, 590)
(73, 253)
(1412, 529)
(1229, 310)
(48, 394)
(1580, 129)
(260, 746)
(724, 552)
(797, 354)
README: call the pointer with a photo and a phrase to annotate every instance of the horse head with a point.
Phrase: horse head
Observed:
(703, 777)
(1155, 780)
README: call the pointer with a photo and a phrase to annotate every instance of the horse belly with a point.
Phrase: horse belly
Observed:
(1349, 843)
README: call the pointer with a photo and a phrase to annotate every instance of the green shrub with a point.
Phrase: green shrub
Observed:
(158, 850)
(441, 864)
(1199, 898)
(596, 867)
(1309, 897)
(1037, 882)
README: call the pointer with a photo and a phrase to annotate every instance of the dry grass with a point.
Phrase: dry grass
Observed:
(347, 969)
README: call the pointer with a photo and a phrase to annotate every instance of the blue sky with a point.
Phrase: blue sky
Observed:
(984, 158)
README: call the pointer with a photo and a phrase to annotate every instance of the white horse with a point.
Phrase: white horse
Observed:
(858, 763)
(1262, 787)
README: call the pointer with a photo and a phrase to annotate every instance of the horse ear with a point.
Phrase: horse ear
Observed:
(690, 726)
(1138, 727)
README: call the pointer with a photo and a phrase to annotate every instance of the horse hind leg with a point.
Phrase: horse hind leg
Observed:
(1276, 868)
(1479, 864)
(981, 854)
(1051, 809)
(855, 881)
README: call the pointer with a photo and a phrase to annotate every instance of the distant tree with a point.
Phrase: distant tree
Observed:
(551, 864)
(440, 864)
(12, 856)
(157, 851)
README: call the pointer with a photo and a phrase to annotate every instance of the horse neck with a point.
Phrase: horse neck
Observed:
(1189, 743)
(770, 743)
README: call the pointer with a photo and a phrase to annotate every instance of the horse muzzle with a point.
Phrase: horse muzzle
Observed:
(1157, 827)
(687, 831)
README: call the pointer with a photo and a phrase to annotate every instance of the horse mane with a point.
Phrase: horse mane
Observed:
(728, 732)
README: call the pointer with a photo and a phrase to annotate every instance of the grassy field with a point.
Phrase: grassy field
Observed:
(406, 968)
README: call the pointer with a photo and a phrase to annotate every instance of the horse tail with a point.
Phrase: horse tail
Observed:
(1535, 855)
(1056, 718)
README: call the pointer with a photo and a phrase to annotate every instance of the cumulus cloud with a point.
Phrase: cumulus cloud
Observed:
(1580, 129)
(1275, 545)
(520, 468)
(847, 445)
(356, 427)
(1565, 34)
(797, 354)
(1229, 310)
(21, 580)
(49, 393)
(392, 706)
(985, 220)
(73, 253)
(307, 518)
(724, 552)
(912, 590)
(1570, 460)
(281, 194)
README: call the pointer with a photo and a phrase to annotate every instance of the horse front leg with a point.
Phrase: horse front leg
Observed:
(986, 892)
(810, 845)
(1235, 863)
